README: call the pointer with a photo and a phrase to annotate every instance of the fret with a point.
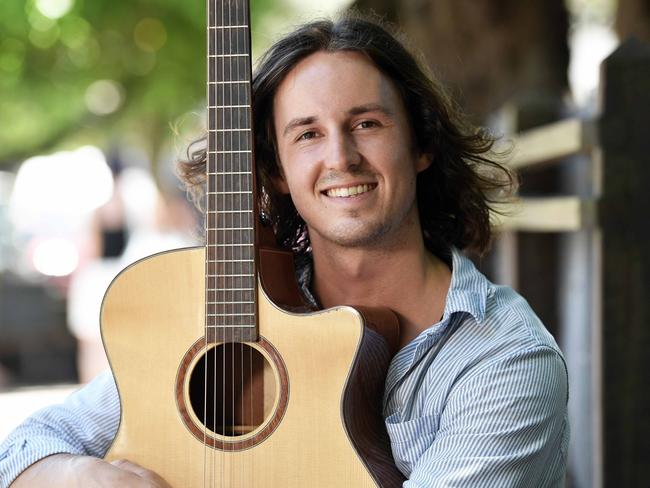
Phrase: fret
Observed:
(236, 55)
(231, 260)
(234, 293)
(229, 303)
(240, 292)
(230, 182)
(233, 200)
(218, 269)
(241, 151)
(228, 211)
(228, 326)
(230, 322)
(229, 130)
(230, 226)
(225, 306)
(235, 237)
(230, 202)
(218, 27)
(224, 163)
(236, 289)
(227, 253)
(228, 42)
(229, 140)
(230, 82)
(226, 106)
(228, 94)
(236, 69)
(233, 228)
(250, 297)
(246, 237)
(224, 275)
(216, 279)
(229, 118)
(230, 221)
(234, 281)
(229, 245)
(229, 314)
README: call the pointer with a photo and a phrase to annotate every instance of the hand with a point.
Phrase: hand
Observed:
(65, 470)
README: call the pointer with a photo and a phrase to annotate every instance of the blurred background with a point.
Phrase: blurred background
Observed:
(99, 99)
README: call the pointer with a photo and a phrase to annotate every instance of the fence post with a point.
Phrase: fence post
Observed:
(625, 140)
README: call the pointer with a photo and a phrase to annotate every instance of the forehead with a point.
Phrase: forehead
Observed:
(334, 80)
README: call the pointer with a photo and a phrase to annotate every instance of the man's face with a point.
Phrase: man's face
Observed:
(346, 150)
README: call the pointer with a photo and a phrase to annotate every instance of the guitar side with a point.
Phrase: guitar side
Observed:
(154, 312)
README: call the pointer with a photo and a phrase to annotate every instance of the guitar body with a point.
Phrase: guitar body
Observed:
(154, 313)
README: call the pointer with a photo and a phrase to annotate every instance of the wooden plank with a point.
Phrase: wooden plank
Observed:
(552, 142)
(545, 214)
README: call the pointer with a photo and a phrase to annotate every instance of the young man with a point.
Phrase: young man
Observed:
(369, 176)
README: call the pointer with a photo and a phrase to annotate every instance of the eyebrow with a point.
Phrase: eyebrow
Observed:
(358, 110)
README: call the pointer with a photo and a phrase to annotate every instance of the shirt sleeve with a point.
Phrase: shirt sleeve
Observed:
(85, 424)
(503, 425)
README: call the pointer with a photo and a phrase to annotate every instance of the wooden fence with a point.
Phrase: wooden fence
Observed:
(603, 278)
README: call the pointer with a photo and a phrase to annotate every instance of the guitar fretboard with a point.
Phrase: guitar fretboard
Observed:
(231, 309)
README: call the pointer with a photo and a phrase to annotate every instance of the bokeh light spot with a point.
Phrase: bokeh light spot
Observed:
(150, 35)
(44, 39)
(104, 97)
(55, 257)
(75, 31)
(54, 9)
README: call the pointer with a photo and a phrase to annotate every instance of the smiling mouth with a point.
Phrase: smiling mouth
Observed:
(350, 191)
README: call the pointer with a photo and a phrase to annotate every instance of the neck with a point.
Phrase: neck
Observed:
(405, 278)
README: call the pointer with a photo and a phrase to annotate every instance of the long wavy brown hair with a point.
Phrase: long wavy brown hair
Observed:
(455, 194)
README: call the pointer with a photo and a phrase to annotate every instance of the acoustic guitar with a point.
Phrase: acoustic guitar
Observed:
(219, 384)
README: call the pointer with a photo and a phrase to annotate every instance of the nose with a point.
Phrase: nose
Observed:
(342, 153)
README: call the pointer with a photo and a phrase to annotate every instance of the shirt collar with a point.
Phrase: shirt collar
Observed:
(468, 289)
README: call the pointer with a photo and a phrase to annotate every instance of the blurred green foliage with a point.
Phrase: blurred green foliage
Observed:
(151, 52)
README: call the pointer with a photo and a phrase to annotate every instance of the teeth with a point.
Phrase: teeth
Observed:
(349, 191)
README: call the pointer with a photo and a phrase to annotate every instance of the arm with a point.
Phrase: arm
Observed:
(85, 424)
(60, 445)
(504, 425)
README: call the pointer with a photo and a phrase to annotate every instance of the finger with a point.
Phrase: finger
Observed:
(143, 473)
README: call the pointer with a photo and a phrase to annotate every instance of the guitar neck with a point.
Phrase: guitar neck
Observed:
(231, 257)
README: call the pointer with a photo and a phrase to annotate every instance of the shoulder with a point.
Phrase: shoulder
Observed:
(507, 345)
(508, 327)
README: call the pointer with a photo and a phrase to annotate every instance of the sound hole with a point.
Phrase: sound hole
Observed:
(232, 389)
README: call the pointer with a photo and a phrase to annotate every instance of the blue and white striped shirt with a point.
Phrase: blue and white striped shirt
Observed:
(479, 399)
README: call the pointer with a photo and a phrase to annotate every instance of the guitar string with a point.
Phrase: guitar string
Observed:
(238, 307)
(235, 202)
(223, 347)
(242, 100)
(242, 186)
(241, 90)
(208, 291)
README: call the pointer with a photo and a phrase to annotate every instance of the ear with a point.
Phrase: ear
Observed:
(423, 161)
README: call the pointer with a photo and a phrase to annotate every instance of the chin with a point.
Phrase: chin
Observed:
(358, 236)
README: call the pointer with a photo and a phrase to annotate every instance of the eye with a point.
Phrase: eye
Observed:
(305, 136)
(367, 124)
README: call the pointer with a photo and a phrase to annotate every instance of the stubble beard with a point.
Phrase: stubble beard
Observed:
(363, 234)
